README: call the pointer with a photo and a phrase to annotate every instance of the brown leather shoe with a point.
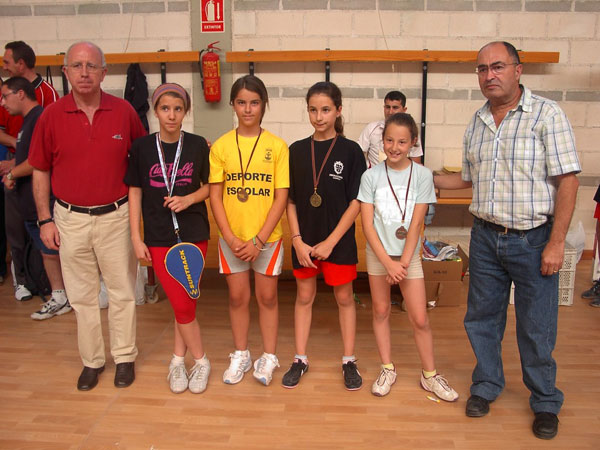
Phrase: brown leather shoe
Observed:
(89, 378)
(125, 374)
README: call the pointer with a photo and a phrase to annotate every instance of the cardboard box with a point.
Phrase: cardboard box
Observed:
(445, 293)
(443, 280)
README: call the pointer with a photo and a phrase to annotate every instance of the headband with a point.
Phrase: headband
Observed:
(173, 88)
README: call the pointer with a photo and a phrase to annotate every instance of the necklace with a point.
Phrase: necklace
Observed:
(401, 232)
(242, 195)
(315, 199)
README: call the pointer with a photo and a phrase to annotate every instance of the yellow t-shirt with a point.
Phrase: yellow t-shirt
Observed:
(268, 170)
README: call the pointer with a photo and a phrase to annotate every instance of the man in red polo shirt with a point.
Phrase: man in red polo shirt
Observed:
(19, 61)
(80, 147)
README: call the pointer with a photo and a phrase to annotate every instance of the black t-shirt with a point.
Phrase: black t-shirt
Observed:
(338, 186)
(23, 184)
(144, 171)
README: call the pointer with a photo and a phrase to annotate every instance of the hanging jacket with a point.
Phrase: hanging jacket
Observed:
(136, 92)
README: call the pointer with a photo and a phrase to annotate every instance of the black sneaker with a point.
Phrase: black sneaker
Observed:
(292, 376)
(352, 378)
(592, 293)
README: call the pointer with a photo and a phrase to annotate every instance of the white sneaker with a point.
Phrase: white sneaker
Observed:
(178, 378)
(239, 365)
(198, 378)
(264, 367)
(383, 383)
(22, 293)
(50, 309)
(439, 386)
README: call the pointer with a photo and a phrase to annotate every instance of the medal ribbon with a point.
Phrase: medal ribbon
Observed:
(240, 154)
(170, 185)
(394, 193)
(316, 177)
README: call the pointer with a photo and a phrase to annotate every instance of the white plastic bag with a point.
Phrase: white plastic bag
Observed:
(576, 239)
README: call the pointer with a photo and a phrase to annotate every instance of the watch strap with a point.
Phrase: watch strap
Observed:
(44, 222)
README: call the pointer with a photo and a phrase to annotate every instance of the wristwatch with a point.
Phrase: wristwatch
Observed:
(9, 176)
(44, 222)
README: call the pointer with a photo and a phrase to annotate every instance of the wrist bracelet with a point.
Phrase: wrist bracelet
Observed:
(295, 236)
(260, 240)
(259, 249)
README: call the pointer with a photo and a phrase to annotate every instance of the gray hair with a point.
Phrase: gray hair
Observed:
(91, 44)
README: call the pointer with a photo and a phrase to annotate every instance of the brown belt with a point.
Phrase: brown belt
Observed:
(505, 230)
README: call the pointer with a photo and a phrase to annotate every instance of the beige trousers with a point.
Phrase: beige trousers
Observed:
(90, 246)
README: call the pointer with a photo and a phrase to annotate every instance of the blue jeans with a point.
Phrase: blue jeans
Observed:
(496, 259)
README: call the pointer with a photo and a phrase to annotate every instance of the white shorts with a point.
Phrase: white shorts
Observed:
(268, 262)
(374, 266)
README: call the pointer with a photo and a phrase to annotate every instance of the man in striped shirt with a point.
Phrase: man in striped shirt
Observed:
(519, 156)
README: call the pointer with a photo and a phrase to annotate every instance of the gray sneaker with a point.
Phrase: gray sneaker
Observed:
(593, 292)
(50, 309)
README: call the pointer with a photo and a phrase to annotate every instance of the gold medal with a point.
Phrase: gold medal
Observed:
(242, 195)
(315, 200)
(401, 233)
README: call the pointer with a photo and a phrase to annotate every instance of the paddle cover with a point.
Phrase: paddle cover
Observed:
(185, 263)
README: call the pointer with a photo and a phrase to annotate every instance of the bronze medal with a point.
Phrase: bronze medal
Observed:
(242, 195)
(401, 233)
(315, 200)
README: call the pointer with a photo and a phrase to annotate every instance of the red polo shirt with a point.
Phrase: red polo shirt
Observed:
(10, 124)
(45, 94)
(88, 161)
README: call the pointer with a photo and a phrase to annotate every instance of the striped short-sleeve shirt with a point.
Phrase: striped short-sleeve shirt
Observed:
(512, 166)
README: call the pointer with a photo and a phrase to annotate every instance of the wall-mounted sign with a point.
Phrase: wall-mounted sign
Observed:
(212, 16)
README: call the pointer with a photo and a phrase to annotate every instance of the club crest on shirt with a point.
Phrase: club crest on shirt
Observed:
(268, 155)
(338, 168)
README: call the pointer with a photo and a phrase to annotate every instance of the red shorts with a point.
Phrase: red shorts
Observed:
(334, 274)
(184, 307)
(597, 211)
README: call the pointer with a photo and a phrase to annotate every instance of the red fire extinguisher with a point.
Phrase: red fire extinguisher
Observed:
(210, 72)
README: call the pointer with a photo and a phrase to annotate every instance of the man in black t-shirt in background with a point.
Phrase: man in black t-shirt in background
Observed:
(18, 97)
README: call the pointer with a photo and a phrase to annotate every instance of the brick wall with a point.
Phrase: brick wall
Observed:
(571, 27)
(50, 26)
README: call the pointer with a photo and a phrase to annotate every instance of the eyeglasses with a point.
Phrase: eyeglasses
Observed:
(90, 67)
(496, 68)
(7, 94)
